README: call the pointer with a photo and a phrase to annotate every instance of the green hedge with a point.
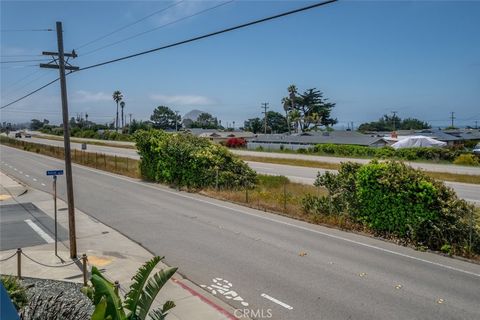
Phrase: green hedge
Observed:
(421, 153)
(395, 200)
(187, 161)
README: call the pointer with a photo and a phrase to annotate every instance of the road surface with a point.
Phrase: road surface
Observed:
(260, 256)
(469, 192)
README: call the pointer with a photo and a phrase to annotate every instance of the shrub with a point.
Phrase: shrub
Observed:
(393, 199)
(16, 291)
(184, 160)
(235, 143)
(467, 159)
(410, 154)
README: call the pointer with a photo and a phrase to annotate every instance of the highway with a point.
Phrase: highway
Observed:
(469, 192)
(257, 255)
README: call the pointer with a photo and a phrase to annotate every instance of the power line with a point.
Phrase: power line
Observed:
(9, 92)
(21, 79)
(159, 27)
(19, 55)
(19, 61)
(208, 35)
(129, 25)
(29, 94)
(24, 30)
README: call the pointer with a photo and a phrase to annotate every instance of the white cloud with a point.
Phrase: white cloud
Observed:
(86, 96)
(182, 100)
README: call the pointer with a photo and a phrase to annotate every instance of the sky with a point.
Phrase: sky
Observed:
(419, 58)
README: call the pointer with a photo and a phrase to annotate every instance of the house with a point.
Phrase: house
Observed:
(309, 139)
(220, 136)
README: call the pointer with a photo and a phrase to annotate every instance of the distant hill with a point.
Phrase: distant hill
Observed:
(193, 115)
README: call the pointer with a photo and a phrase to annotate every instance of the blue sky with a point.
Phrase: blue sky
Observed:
(420, 58)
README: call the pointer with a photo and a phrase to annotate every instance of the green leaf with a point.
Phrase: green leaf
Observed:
(154, 284)
(160, 314)
(100, 309)
(139, 280)
(107, 289)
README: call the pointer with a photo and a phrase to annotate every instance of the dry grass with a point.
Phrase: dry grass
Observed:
(279, 195)
(104, 143)
(125, 166)
(445, 176)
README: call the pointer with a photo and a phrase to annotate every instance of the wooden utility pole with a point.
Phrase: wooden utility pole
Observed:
(59, 63)
(265, 107)
(130, 120)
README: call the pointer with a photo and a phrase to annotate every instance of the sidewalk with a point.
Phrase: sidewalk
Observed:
(116, 255)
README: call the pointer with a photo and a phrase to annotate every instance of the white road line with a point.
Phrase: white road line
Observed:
(21, 172)
(266, 218)
(283, 304)
(15, 169)
(43, 184)
(27, 176)
(34, 179)
(39, 231)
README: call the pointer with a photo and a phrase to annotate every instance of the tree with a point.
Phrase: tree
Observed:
(36, 124)
(164, 118)
(310, 109)
(117, 97)
(205, 121)
(391, 123)
(276, 122)
(253, 125)
(415, 124)
(138, 125)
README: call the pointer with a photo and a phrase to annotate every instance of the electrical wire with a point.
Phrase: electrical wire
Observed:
(157, 28)
(21, 79)
(29, 94)
(208, 35)
(18, 61)
(9, 92)
(24, 30)
(129, 25)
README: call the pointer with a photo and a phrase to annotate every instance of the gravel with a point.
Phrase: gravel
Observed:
(55, 300)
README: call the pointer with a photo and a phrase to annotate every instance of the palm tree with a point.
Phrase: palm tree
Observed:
(122, 105)
(117, 97)
(138, 301)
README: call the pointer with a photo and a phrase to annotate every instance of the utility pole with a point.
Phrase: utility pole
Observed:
(452, 117)
(130, 121)
(476, 124)
(265, 107)
(176, 120)
(122, 105)
(394, 118)
(59, 63)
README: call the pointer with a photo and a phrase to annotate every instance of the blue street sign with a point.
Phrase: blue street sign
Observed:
(54, 172)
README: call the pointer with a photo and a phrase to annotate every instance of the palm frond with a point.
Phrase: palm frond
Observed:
(153, 286)
(139, 280)
(160, 314)
(100, 309)
(104, 288)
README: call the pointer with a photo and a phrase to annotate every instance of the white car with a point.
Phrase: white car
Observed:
(476, 150)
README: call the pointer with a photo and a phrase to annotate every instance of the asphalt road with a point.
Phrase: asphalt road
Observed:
(257, 255)
(469, 192)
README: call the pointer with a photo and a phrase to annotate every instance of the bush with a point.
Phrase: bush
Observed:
(235, 143)
(184, 160)
(467, 159)
(16, 291)
(394, 200)
(410, 154)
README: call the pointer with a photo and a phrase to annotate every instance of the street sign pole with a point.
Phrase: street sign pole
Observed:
(55, 210)
(55, 173)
